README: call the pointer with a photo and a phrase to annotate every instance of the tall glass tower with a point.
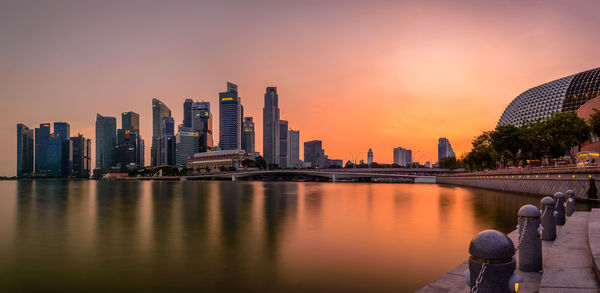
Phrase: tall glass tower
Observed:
(283, 144)
(230, 119)
(248, 136)
(271, 126)
(24, 150)
(159, 111)
(202, 124)
(187, 113)
(106, 140)
(42, 136)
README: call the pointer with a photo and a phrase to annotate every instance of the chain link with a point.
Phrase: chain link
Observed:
(544, 213)
(475, 288)
(522, 234)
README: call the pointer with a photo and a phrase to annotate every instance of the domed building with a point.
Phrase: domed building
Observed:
(567, 94)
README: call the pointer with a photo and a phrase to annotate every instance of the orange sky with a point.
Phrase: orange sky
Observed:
(355, 74)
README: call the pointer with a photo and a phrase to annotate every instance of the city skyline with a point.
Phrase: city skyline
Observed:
(410, 92)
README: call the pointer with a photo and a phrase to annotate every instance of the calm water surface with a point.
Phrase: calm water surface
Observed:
(90, 236)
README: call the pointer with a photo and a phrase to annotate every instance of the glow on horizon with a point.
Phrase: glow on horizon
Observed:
(357, 76)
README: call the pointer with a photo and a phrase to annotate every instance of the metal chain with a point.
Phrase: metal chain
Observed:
(546, 209)
(522, 235)
(475, 288)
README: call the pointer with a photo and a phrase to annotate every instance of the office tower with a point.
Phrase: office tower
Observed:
(444, 148)
(159, 110)
(106, 141)
(62, 132)
(314, 153)
(187, 113)
(370, 157)
(201, 123)
(401, 155)
(80, 156)
(293, 150)
(186, 145)
(248, 136)
(271, 126)
(283, 143)
(408, 157)
(230, 119)
(24, 151)
(130, 121)
(166, 142)
(42, 137)
(142, 153)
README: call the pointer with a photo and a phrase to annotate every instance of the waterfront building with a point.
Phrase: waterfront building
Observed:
(230, 118)
(24, 151)
(130, 151)
(42, 137)
(314, 153)
(106, 141)
(159, 111)
(271, 131)
(283, 144)
(444, 148)
(370, 157)
(131, 121)
(566, 94)
(334, 163)
(186, 145)
(248, 136)
(293, 150)
(62, 132)
(187, 113)
(80, 156)
(215, 160)
(166, 142)
(402, 156)
(201, 123)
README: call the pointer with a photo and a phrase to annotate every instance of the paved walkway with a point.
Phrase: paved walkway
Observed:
(568, 263)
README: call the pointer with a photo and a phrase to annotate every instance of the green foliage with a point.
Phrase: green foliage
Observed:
(449, 163)
(595, 123)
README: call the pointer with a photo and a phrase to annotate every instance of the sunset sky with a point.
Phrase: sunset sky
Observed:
(355, 74)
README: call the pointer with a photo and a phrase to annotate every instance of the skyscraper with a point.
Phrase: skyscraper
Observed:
(283, 144)
(271, 132)
(187, 113)
(24, 150)
(159, 110)
(167, 147)
(130, 121)
(80, 156)
(130, 151)
(106, 141)
(230, 119)
(201, 123)
(248, 136)
(42, 137)
(402, 156)
(314, 153)
(187, 144)
(62, 132)
(444, 148)
(369, 157)
(294, 149)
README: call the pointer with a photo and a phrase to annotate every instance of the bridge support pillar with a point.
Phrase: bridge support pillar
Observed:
(333, 178)
(232, 177)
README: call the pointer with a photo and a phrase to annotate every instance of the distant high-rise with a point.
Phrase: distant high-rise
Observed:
(166, 142)
(271, 132)
(187, 113)
(24, 150)
(402, 156)
(201, 123)
(248, 136)
(283, 144)
(293, 150)
(62, 132)
(370, 157)
(187, 144)
(314, 153)
(106, 141)
(80, 156)
(159, 111)
(42, 137)
(230, 119)
(130, 121)
(444, 149)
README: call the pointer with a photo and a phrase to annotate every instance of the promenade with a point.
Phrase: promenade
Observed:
(571, 262)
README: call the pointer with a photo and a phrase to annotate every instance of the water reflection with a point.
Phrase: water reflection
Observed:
(240, 236)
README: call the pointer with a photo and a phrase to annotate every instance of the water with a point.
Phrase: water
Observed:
(143, 236)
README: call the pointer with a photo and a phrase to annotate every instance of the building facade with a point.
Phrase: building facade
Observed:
(566, 94)
(80, 156)
(201, 123)
(106, 141)
(42, 137)
(214, 161)
(293, 150)
(248, 136)
(314, 153)
(24, 151)
(283, 144)
(159, 111)
(370, 157)
(444, 149)
(187, 113)
(166, 142)
(230, 118)
(402, 156)
(186, 145)
(271, 131)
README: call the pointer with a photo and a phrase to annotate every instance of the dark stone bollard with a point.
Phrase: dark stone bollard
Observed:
(559, 199)
(548, 219)
(492, 264)
(530, 243)
(570, 207)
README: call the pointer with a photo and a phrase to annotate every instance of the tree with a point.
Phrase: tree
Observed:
(449, 163)
(565, 132)
(595, 123)
(507, 141)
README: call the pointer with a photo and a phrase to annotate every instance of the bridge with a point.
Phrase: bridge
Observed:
(333, 175)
